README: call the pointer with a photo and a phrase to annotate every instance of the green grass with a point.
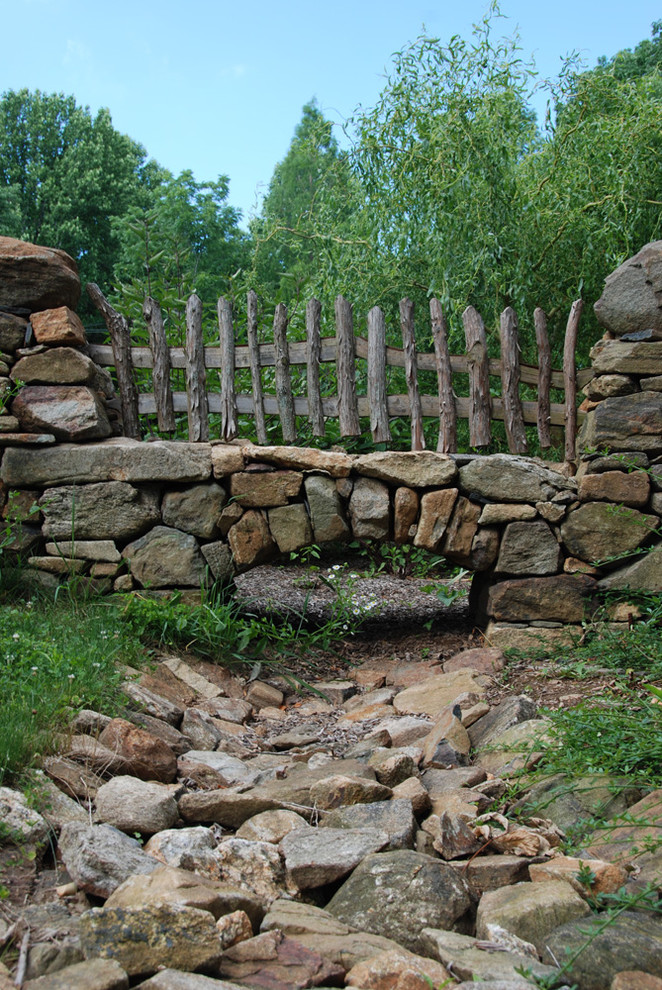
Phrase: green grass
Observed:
(55, 656)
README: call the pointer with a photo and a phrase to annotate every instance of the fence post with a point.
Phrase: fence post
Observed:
(165, 414)
(228, 398)
(313, 354)
(513, 415)
(254, 361)
(120, 339)
(447, 442)
(348, 412)
(570, 380)
(377, 400)
(544, 378)
(284, 395)
(409, 347)
(480, 406)
(196, 377)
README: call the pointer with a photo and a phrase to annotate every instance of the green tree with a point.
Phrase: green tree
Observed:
(186, 239)
(304, 214)
(64, 176)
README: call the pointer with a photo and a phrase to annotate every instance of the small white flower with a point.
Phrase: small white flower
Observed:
(15, 636)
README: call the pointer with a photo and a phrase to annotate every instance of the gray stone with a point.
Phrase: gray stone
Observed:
(495, 513)
(569, 802)
(436, 511)
(316, 857)
(530, 910)
(233, 771)
(369, 510)
(630, 941)
(174, 979)
(97, 550)
(263, 489)
(462, 528)
(219, 560)
(56, 366)
(68, 412)
(20, 823)
(34, 277)
(434, 693)
(142, 940)
(394, 818)
(529, 548)
(630, 422)
(195, 510)
(644, 575)
(605, 386)
(396, 894)
(105, 511)
(471, 962)
(597, 531)
(632, 297)
(290, 527)
(56, 807)
(99, 857)
(119, 459)
(506, 478)
(488, 729)
(166, 557)
(326, 511)
(12, 332)
(133, 805)
(335, 463)
(564, 598)
(415, 469)
(271, 826)
(628, 460)
(93, 974)
(255, 867)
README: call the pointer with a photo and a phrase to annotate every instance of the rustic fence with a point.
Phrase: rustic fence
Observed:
(343, 350)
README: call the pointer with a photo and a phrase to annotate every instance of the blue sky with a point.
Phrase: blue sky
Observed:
(218, 87)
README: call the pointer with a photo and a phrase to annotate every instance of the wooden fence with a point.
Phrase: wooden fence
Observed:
(342, 350)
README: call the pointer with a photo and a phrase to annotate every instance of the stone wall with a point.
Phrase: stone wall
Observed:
(158, 515)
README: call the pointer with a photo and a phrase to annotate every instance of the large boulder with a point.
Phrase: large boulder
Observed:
(69, 412)
(632, 296)
(106, 511)
(34, 278)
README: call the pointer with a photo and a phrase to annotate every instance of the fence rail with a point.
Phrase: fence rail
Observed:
(343, 351)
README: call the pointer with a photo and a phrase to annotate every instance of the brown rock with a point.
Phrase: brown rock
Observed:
(77, 781)
(195, 510)
(334, 463)
(626, 423)
(93, 974)
(416, 469)
(290, 527)
(617, 487)
(563, 598)
(623, 843)
(605, 386)
(460, 532)
(166, 557)
(273, 961)
(484, 659)
(33, 277)
(405, 509)
(12, 332)
(608, 877)
(94, 755)
(632, 297)
(259, 489)
(56, 366)
(145, 755)
(338, 790)
(397, 970)
(436, 510)
(58, 326)
(635, 979)
(250, 540)
(68, 412)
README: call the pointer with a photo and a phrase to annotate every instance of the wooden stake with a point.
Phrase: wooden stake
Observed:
(283, 381)
(165, 413)
(377, 392)
(544, 378)
(348, 413)
(447, 442)
(228, 399)
(409, 347)
(510, 358)
(196, 377)
(254, 360)
(570, 380)
(480, 405)
(120, 339)
(313, 354)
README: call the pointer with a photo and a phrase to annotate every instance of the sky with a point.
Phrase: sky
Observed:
(218, 87)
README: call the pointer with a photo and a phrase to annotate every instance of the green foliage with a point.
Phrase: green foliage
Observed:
(54, 659)
(186, 239)
(64, 176)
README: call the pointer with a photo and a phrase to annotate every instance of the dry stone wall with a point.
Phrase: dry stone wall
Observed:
(159, 515)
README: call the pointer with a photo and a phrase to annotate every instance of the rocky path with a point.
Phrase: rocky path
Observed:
(229, 833)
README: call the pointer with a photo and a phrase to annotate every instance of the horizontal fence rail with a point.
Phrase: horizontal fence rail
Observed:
(341, 352)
